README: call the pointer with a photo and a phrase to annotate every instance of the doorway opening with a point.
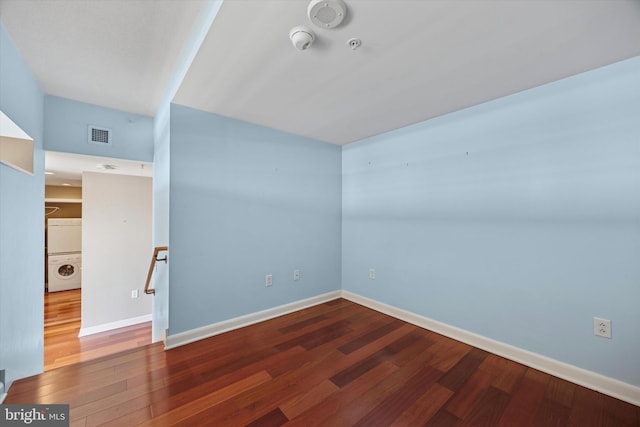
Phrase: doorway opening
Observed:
(90, 312)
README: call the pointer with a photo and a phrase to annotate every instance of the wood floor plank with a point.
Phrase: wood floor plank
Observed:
(335, 403)
(369, 337)
(78, 423)
(184, 385)
(319, 336)
(300, 403)
(133, 418)
(587, 409)
(98, 394)
(386, 345)
(64, 391)
(274, 418)
(63, 347)
(488, 411)
(334, 364)
(140, 393)
(526, 400)
(354, 371)
(551, 414)
(442, 418)
(619, 413)
(560, 391)
(265, 397)
(458, 375)
(302, 324)
(137, 409)
(409, 347)
(468, 395)
(425, 407)
(396, 403)
(446, 352)
(268, 396)
(507, 374)
(367, 402)
(202, 403)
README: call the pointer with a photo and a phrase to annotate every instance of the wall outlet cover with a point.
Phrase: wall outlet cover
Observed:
(602, 327)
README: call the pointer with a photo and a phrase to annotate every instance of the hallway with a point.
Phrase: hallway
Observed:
(62, 347)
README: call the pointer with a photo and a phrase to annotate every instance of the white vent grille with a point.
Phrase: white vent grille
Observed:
(98, 135)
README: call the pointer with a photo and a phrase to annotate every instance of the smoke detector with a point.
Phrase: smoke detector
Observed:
(327, 13)
(301, 37)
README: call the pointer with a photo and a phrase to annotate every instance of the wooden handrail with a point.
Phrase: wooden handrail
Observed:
(154, 259)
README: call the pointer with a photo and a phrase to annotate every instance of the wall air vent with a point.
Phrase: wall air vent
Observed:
(98, 135)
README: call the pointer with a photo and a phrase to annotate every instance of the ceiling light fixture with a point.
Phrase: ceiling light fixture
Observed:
(106, 167)
(327, 13)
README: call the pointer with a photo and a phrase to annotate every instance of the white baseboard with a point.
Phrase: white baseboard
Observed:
(114, 325)
(187, 337)
(609, 386)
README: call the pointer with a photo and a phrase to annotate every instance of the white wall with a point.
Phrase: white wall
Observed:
(116, 250)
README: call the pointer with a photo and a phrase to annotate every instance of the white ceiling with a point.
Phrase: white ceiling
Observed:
(67, 168)
(115, 53)
(418, 59)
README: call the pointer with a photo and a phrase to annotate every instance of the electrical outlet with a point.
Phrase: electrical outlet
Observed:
(296, 274)
(134, 293)
(372, 274)
(602, 327)
(268, 280)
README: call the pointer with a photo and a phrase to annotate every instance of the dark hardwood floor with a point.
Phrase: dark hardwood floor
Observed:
(335, 364)
(62, 347)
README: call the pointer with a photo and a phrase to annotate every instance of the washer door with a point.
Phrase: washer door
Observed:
(66, 271)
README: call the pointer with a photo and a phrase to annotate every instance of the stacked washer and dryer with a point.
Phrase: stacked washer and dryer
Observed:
(64, 253)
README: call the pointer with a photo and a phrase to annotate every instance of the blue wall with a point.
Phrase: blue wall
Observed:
(66, 129)
(161, 180)
(247, 201)
(518, 219)
(21, 225)
(161, 160)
